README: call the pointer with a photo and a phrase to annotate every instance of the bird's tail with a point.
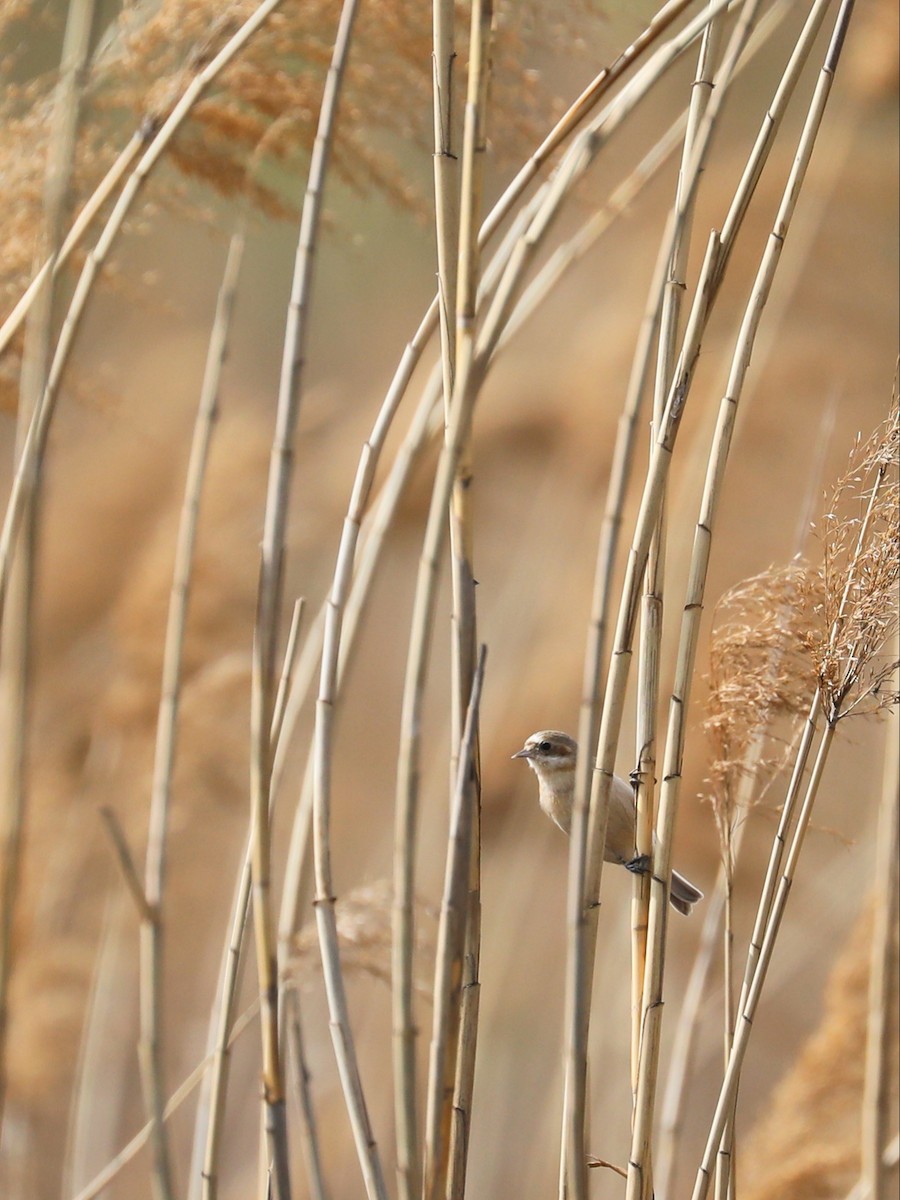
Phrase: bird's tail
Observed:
(683, 895)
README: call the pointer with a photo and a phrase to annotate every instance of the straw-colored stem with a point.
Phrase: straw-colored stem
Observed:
(40, 420)
(446, 184)
(307, 1129)
(450, 954)
(877, 1083)
(463, 616)
(667, 302)
(266, 640)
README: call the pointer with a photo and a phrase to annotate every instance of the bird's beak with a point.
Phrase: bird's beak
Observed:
(525, 752)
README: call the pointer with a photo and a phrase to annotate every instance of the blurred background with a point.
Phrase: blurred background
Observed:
(543, 438)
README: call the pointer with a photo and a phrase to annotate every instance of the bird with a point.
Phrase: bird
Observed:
(551, 754)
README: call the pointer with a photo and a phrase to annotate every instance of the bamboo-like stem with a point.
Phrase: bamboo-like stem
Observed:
(16, 633)
(463, 618)
(307, 1128)
(667, 302)
(40, 420)
(264, 656)
(691, 620)
(450, 955)
(446, 225)
(151, 934)
(876, 1087)
(446, 185)
(595, 651)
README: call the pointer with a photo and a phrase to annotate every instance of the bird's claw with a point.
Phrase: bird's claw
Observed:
(639, 865)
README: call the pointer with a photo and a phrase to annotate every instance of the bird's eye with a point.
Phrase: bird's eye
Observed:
(545, 747)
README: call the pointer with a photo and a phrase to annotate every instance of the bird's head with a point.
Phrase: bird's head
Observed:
(549, 752)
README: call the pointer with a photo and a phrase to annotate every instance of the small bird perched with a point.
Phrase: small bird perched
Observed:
(551, 755)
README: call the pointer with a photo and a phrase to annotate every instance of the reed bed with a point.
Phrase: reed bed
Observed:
(318, 786)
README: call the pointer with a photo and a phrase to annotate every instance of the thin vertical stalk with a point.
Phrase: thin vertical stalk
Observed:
(446, 184)
(463, 585)
(676, 244)
(266, 635)
(451, 946)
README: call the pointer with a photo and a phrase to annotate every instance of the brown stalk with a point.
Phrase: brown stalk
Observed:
(463, 616)
(451, 947)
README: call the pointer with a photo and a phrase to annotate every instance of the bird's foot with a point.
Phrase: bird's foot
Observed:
(639, 865)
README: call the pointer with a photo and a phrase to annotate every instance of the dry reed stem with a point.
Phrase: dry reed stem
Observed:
(620, 469)
(16, 633)
(33, 446)
(264, 656)
(667, 303)
(693, 610)
(463, 615)
(877, 1083)
(446, 185)
(451, 948)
